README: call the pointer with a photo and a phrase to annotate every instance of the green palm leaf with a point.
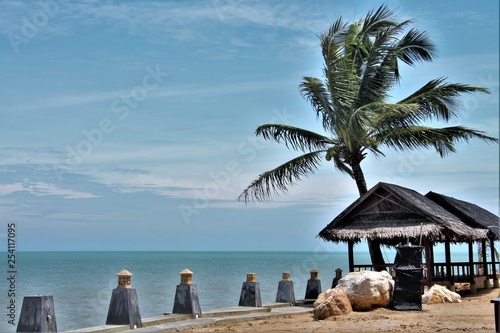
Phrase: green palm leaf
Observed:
(293, 137)
(278, 180)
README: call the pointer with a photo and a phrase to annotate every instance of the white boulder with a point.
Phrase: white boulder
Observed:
(333, 302)
(368, 289)
(440, 294)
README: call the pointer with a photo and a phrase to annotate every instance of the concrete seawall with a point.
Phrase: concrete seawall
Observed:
(210, 317)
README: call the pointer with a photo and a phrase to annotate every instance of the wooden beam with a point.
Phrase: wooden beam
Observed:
(350, 246)
(472, 281)
(429, 262)
(447, 251)
(485, 260)
(493, 263)
(485, 265)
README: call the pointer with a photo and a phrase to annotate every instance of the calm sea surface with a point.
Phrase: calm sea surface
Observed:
(81, 282)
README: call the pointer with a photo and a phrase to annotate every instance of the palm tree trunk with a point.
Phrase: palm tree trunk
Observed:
(376, 256)
(359, 178)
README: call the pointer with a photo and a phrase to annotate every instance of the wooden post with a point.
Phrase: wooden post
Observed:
(449, 273)
(472, 281)
(493, 263)
(485, 265)
(350, 247)
(429, 262)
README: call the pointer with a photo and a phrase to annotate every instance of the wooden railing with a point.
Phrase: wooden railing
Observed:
(368, 267)
(460, 271)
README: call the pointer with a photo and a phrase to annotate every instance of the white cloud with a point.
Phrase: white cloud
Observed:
(11, 188)
(43, 189)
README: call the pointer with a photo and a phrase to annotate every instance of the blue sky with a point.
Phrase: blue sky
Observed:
(129, 124)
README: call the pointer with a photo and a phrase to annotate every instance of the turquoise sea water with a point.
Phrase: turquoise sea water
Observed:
(81, 282)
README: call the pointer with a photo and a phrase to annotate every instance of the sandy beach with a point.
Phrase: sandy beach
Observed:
(474, 314)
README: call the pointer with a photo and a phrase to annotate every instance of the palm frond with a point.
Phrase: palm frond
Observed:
(276, 181)
(379, 70)
(293, 137)
(443, 140)
(439, 99)
(331, 41)
(375, 20)
(415, 46)
(385, 117)
(314, 91)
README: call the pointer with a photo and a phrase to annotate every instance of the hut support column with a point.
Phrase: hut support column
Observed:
(429, 262)
(485, 265)
(350, 247)
(449, 273)
(493, 263)
(472, 281)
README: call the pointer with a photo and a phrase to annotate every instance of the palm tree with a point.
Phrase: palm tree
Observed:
(361, 65)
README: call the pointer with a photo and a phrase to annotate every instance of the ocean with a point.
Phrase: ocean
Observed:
(81, 282)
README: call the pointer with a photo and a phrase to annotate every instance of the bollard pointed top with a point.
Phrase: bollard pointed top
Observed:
(251, 277)
(124, 273)
(186, 276)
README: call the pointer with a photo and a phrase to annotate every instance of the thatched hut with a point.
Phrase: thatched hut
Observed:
(394, 214)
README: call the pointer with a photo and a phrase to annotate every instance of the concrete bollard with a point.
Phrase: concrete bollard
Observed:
(338, 276)
(285, 293)
(313, 288)
(250, 292)
(124, 306)
(186, 296)
(37, 315)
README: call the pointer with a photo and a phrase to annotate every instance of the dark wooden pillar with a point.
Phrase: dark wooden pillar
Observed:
(429, 262)
(485, 264)
(447, 251)
(350, 247)
(493, 263)
(472, 281)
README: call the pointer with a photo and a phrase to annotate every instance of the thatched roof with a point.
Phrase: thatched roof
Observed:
(471, 214)
(392, 214)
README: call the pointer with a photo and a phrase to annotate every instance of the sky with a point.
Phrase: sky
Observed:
(129, 125)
